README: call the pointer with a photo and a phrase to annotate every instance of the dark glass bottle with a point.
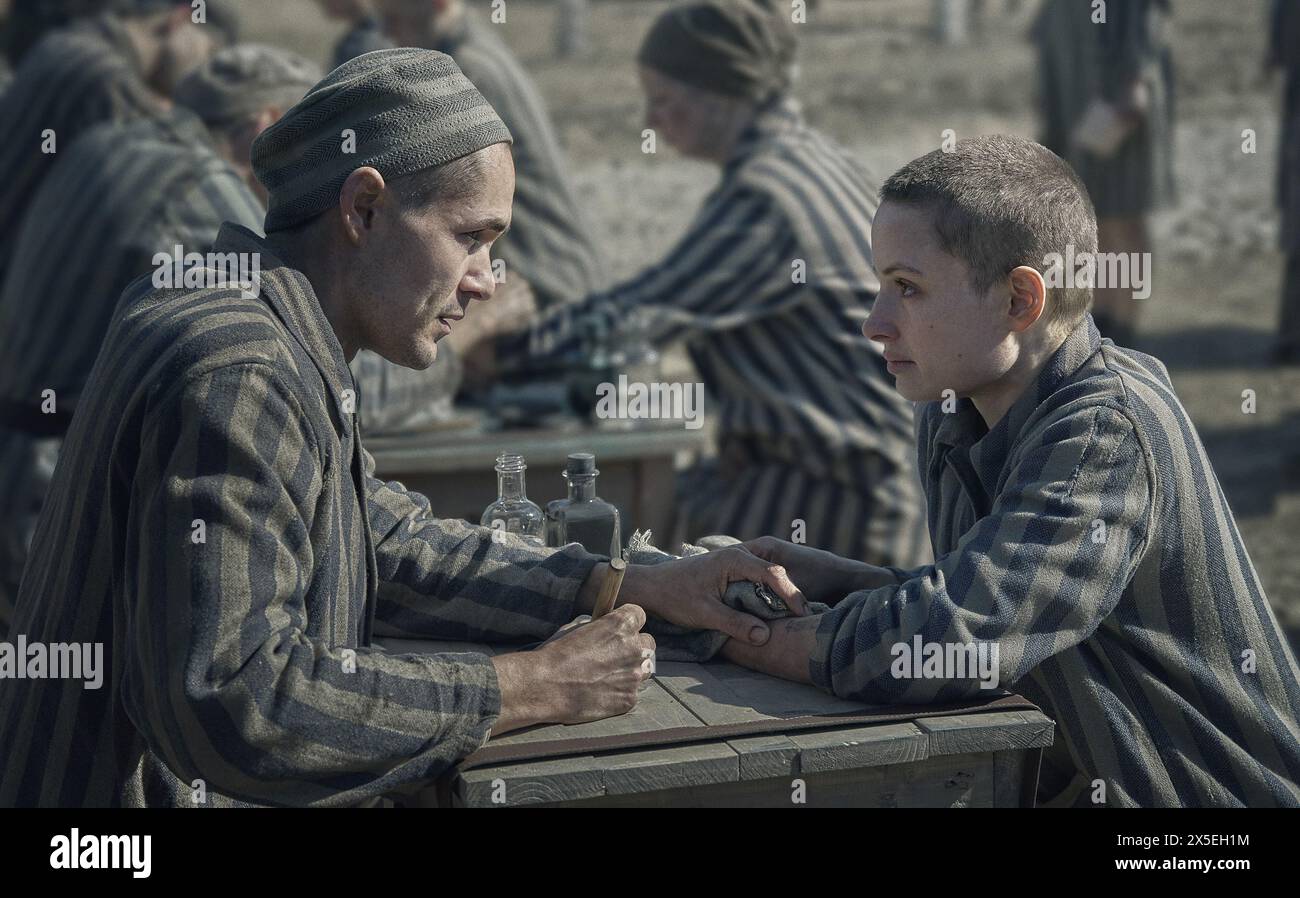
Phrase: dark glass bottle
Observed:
(583, 517)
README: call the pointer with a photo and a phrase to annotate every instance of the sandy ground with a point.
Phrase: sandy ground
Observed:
(873, 77)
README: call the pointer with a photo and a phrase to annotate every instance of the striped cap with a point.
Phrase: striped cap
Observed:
(738, 48)
(399, 111)
(244, 79)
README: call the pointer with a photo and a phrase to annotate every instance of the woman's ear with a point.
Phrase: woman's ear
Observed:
(1028, 297)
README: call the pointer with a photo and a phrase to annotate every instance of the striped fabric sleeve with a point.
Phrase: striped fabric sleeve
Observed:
(222, 679)
(1034, 577)
(219, 196)
(735, 265)
(216, 196)
(446, 579)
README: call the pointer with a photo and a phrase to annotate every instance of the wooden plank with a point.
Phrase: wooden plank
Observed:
(987, 732)
(574, 779)
(720, 693)
(947, 781)
(871, 746)
(530, 782)
(668, 768)
(567, 779)
(397, 646)
(711, 699)
(655, 710)
(762, 757)
(1008, 777)
(456, 451)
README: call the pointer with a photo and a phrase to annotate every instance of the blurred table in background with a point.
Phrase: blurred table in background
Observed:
(455, 466)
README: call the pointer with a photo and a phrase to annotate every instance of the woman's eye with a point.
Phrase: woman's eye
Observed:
(905, 288)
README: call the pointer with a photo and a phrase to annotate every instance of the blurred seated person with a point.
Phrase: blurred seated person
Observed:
(768, 289)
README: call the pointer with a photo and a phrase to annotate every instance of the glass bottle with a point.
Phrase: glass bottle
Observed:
(512, 512)
(583, 517)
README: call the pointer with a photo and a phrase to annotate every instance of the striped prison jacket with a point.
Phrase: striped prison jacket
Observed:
(123, 193)
(215, 523)
(365, 36)
(1087, 538)
(549, 243)
(769, 288)
(74, 79)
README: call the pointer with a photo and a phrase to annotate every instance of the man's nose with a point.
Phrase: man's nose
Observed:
(480, 282)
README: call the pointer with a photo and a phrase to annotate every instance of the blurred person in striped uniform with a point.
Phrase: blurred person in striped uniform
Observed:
(1078, 525)
(214, 522)
(548, 257)
(1284, 53)
(768, 288)
(123, 194)
(6, 51)
(1106, 94)
(365, 29)
(549, 244)
(116, 66)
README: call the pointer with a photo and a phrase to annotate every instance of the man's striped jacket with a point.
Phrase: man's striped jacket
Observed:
(215, 523)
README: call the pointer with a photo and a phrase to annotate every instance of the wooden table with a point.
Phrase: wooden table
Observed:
(989, 759)
(456, 468)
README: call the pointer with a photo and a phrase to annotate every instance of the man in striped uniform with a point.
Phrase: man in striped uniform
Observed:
(548, 253)
(365, 30)
(768, 288)
(215, 526)
(549, 244)
(112, 68)
(123, 194)
(1285, 54)
(1085, 550)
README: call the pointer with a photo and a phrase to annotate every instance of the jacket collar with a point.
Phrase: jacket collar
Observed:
(781, 115)
(989, 449)
(294, 301)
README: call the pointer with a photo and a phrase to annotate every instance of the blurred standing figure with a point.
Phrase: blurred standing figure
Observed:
(1285, 53)
(571, 32)
(768, 288)
(549, 243)
(27, 21)
(126, 192)
(1106, 94)
(365, 34)
(113, 67)
(6, 26)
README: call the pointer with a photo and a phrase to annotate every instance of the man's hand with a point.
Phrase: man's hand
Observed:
(589, 673)
(688, 591)
(823, 576)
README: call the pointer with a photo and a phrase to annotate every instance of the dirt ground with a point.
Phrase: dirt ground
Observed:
(874, 78)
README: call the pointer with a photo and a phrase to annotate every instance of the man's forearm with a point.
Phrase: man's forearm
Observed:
(786, 654)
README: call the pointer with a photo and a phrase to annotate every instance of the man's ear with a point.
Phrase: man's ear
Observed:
(360, 199)
(1028, 298)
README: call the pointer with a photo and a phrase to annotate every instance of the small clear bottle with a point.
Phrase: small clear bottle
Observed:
(512, 512)
(583, 517)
